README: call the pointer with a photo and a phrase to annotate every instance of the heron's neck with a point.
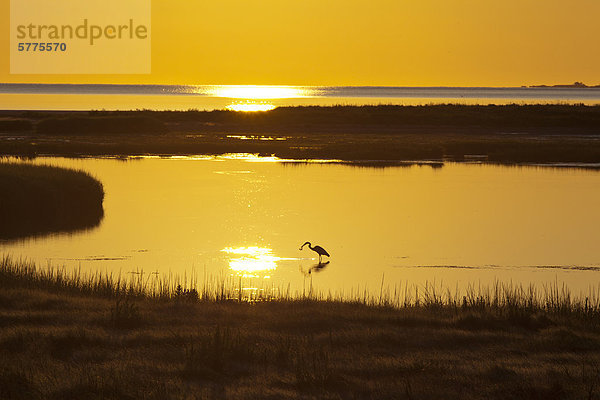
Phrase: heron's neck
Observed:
(309, 245)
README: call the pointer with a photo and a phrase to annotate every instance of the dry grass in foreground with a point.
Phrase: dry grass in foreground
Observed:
(66, 336)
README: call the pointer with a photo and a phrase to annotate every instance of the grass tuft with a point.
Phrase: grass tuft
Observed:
(125, 315)
(221, 351)
(39, 199)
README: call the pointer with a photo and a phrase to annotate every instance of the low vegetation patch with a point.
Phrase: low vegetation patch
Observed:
(503, 116)
(512, 133)
(15, 125)
(102, 125)
(42, 199)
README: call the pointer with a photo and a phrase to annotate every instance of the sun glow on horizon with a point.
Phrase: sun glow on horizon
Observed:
(257, 92)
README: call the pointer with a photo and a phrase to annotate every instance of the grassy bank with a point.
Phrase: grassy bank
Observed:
(42, 199)
(385, 117)
(68, 336)
(101, 125)
(509, 133)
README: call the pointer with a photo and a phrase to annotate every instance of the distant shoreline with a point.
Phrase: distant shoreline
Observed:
(206, 97)
(575, 85)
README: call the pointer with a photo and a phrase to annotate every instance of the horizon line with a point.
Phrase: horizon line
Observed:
(540, 86)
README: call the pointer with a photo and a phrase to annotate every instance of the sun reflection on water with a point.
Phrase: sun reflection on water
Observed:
(253, 261)
(257, 92)
(256, 137)
(250, 95)
(251, 107)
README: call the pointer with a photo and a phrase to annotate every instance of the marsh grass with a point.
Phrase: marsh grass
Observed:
(125, 314)
(15, 125)
(475, 306)
(65, 334)
(313, 369)
(508, 134)
(38, 199)
(311, 117)
(103, 125)
(220, 351)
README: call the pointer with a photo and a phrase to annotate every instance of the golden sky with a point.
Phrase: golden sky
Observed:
(361, 42)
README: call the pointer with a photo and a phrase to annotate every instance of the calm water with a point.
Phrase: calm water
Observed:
(110, 97)
(246, 217)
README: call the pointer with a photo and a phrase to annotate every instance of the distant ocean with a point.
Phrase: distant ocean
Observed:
(183, 97)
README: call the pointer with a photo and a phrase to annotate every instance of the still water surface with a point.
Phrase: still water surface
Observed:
(246, 217)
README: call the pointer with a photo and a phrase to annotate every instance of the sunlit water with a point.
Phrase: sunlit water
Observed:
(246, 218)
(262, 98)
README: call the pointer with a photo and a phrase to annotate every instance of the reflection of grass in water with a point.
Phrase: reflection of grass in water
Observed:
(42, 199)
(71, 335)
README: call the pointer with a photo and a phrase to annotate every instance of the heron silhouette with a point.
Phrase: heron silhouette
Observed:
(317, 249)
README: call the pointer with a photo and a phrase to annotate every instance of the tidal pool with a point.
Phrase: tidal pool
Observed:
(245, 217)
